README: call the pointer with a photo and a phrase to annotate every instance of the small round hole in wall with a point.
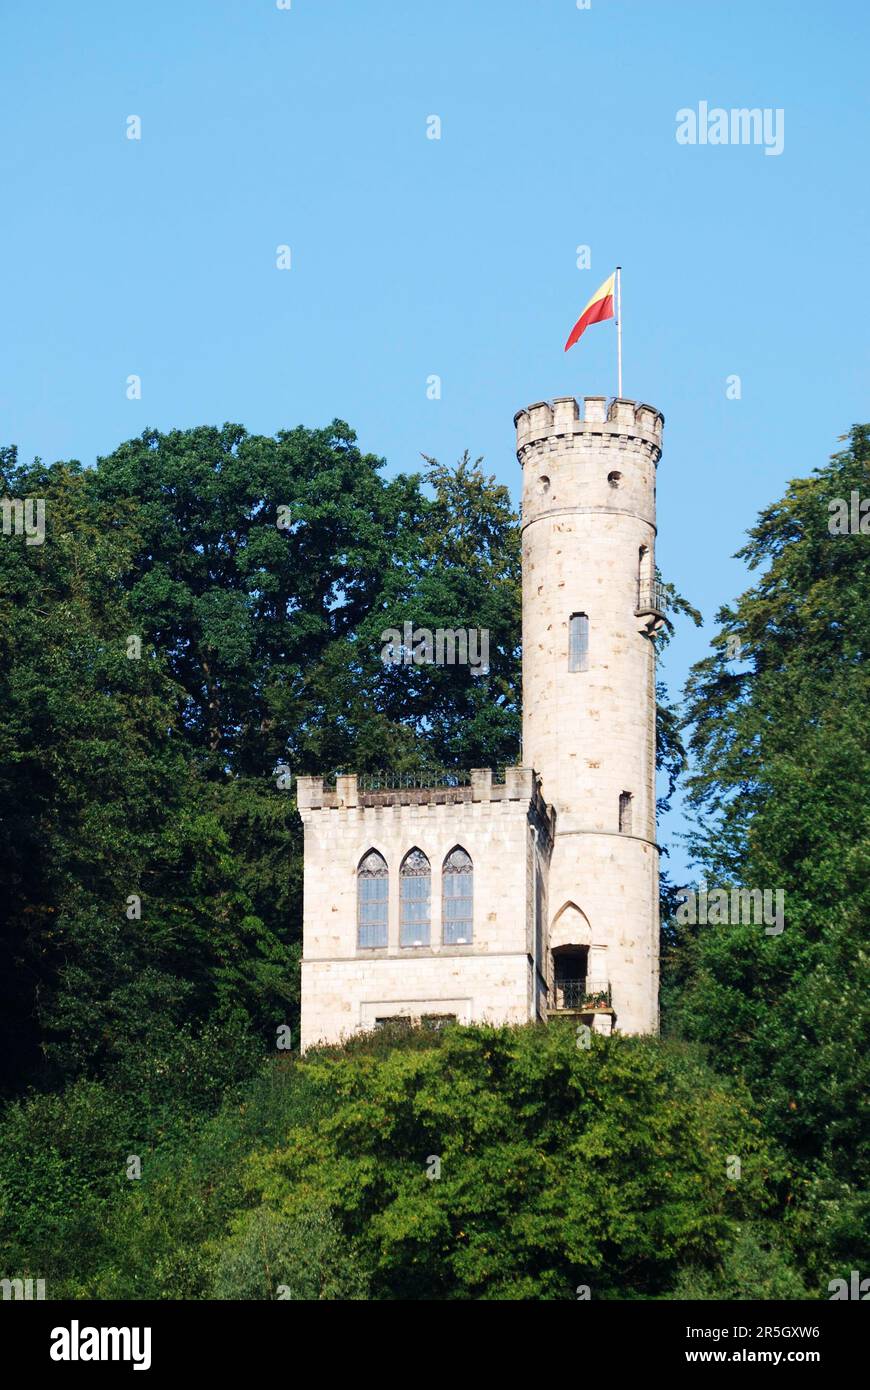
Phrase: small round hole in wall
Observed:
(614, 479)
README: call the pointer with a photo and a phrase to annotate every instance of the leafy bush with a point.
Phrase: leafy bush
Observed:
(305, 1257)
(559, 1166)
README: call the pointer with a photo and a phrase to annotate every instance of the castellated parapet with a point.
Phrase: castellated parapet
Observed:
(520, 784)
(562, 417)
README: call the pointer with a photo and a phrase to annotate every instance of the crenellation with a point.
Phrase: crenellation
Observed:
(622, 412)
(346, 791)
(546, 427)
(481, 784)
(566, 413)
(309, 793)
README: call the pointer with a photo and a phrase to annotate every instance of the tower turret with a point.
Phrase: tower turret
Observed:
(590, 610)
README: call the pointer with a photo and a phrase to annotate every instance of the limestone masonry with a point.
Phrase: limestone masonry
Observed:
(514, 901)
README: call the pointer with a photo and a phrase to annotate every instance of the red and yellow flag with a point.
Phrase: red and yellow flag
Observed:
(600, 307)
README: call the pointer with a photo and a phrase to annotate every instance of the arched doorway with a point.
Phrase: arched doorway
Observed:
(578, 968)
(570, 942)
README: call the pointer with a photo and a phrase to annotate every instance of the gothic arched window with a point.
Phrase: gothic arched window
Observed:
(457, 914)
(372, 899)
(415, 880)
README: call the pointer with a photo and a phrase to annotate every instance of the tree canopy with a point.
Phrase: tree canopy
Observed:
(781, 764)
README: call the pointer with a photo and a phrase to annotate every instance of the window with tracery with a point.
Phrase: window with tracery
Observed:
(373, 899)
(458, 898)
(415, 882)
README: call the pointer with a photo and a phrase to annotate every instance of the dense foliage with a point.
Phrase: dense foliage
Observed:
(781, 769)
(560, 1167)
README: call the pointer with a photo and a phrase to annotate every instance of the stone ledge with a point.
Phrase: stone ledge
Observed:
(521, 785)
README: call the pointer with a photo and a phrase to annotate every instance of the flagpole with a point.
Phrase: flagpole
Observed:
(619, 331)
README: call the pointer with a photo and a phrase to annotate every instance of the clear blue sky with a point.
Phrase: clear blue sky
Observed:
(411, 256)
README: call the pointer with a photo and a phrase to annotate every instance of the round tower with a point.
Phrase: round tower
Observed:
(591, 608)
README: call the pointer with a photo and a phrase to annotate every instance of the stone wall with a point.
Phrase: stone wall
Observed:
(346, 986)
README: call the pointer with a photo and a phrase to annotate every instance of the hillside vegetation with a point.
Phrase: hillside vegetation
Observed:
(155, 1142)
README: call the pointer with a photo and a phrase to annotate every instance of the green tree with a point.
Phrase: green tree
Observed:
(259, 559)
(559, 1166)
(125, 913)
(782, 763)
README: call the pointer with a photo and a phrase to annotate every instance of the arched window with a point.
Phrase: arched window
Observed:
(457, 906)
(372, 899)
(414, 898)
(578, 642)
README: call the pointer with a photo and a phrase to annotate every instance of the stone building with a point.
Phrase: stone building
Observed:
(511, 901)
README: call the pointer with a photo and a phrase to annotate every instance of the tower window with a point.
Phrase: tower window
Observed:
(372, 900)
(415, 879)
(614, 479)
(625, 800)
(457, 906)
(644, 567)
(578, 642)
(544, 483)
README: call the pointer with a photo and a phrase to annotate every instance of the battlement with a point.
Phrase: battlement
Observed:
(561, 419)
(520, 784)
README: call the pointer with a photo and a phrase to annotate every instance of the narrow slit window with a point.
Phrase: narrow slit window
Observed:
(625, 800)
(578, 642)
(644, 575)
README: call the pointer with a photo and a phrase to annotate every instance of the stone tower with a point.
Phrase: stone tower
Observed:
(510, 901)
(591, 608)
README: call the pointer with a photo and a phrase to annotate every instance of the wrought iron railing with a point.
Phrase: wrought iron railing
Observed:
(582, 994)
(388, 779)
(652, 597)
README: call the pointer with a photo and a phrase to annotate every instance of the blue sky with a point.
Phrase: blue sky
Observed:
(455, 257)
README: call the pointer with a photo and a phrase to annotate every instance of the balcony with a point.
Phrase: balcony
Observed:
(652, 603)
(581, 996)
